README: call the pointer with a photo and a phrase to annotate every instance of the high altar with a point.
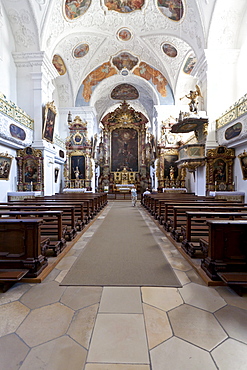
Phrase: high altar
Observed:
(125, 151)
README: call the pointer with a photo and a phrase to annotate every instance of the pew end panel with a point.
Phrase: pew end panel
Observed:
(20, 246)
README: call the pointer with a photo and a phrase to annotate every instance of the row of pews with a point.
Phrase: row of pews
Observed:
(32, 230)
(214, 231)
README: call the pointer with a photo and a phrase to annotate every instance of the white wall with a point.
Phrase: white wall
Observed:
(7, 65)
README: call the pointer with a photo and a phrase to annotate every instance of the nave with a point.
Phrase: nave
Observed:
(49, 326)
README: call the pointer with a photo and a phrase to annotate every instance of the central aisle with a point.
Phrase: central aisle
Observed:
(122, 252)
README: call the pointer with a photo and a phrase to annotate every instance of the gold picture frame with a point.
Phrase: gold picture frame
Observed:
(243, 163)
(5, 165)
(49, 121)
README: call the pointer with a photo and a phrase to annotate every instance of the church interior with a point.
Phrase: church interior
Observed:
(98, 97)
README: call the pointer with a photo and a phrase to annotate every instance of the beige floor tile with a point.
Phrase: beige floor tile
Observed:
(231, 355)
(179, 263)
(79, 297)
(232, 297)
(82, 325)
(13, 351)
(182, 277)
(163, 298)
(234, 321)
(66, 263)
(202, 297)
(116, 367)
(14, 293)
(12, 315)
(157, 326)
(42, 294)
(119, 338)
(59, 354)
(176, 354)
(61, 276)
(195, 278)
(46, 323)
(196, 326)
(121, 300)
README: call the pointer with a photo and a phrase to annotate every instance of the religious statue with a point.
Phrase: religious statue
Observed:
(171, 173)
(193, 96)
(77, 173)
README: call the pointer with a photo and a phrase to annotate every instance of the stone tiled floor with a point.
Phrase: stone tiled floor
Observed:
(47, 326)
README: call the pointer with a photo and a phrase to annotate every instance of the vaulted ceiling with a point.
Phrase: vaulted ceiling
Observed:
(155, 43)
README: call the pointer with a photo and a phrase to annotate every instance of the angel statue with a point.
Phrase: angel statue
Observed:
(193, 96)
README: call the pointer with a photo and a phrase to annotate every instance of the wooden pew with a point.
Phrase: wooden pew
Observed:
(82, 208)
(196, 229)
(227, 251)
(52, 233)
(179, 214)
(167, 208)
(68, 217)
(20, 249)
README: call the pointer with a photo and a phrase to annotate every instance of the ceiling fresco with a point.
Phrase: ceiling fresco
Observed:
(80, 38)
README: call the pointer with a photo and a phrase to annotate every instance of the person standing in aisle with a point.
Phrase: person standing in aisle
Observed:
(133, 196)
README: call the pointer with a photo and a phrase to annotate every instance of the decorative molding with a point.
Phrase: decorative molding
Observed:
(11, 110)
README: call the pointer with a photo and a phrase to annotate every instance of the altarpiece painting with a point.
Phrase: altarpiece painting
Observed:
(124, 149)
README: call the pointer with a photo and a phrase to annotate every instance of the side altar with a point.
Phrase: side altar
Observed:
(78, 168)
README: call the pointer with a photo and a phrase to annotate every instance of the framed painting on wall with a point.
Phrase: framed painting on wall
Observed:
(49, 121)
(5, 165)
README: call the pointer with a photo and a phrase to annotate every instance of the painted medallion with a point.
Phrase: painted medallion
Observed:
(124, 34)
(76, 8)
(172, 9)
(81, 50)
(190, 64)
(123, 6)
(169, 50)
(233, 131)
(58, 63)
(17, 132)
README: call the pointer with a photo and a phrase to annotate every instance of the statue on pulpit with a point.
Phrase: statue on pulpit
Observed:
(193, 97)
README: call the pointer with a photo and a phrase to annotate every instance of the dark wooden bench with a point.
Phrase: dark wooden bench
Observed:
(20, 247)
(195, 232)
(179, 218)
(68, 216)
(52, 231)
(227, 248)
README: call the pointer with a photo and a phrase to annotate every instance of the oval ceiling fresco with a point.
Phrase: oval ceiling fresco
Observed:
(172, 9)
(123, 6)
(76, 8)
(124, 34)
(190, 64)
(80, 50)
(169, 50)
(124, 92)
(58, 63)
